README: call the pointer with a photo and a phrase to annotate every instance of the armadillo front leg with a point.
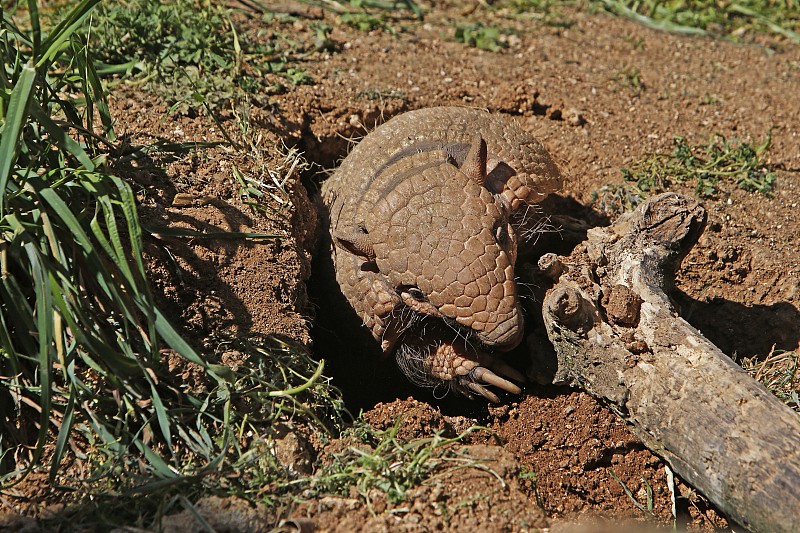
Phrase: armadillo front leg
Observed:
(471, 374)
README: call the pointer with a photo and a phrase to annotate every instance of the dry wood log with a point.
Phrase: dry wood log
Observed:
(617, 336)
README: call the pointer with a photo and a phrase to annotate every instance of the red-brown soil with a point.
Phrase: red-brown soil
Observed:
(557, 454)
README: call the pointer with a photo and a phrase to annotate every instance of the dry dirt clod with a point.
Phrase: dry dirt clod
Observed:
(622, 305)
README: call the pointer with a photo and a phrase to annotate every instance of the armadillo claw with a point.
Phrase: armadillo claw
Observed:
(471, 374)
(483, 391)
(481, 374)
(503, 368)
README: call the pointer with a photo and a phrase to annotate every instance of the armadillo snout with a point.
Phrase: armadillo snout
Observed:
(505, 335)
(491, 299)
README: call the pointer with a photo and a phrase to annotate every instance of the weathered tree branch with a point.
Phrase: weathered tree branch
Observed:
(618, 337)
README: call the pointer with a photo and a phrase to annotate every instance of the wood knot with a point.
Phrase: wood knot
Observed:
(551, 266)
(622, 306)
(673, 220)
(571, 309)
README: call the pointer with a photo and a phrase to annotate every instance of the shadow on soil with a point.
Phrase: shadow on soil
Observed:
(174, 261)
(741, 330)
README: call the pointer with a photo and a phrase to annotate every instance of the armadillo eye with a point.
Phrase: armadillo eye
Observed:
(413, 291)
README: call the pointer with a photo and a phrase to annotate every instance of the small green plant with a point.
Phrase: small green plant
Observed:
(388, 5)
(364, 21)
(636, 42)
(546, 11)
(382, 460)
(382, 94)
(707, 167)
(397, 8)
(617, 198)
(630, 78)
(298, 76)
(479, 36)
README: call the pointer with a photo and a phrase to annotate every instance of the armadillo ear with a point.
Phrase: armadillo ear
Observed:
(474, 165)
(356, 242)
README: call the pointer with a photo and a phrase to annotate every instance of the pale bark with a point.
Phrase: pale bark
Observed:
(617, 336)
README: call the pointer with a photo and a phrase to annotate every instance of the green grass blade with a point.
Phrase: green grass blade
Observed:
(60, 137)
(51, 47)
(127, 202)
(195, 514)
(79, 53)
(15, 120)
(155, 460)
(15, 30)
(173, 339)
(64, 212)
(116, 250)
(772, 25)
(44, 330)
(63, 434)
(619, 8)
(121, 297)
(104, 69)
(99, 97)
(162, 416)
(36, 30)
(11, 355)
(102, 431)
(100, 236)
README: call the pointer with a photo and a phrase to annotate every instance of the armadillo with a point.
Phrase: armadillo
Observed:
(424, 240)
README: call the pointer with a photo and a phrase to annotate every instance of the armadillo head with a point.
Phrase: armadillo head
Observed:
(443, 242)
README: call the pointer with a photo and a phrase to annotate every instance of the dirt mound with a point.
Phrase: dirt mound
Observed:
(481, 491)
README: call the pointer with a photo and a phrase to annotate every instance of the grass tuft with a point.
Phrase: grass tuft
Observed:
(92, 375)
(548, 12)
(365, 21)
(779, 372)
(382, 461)
(630, 78)
(706, 167)
(730, 19)
(190, 51)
